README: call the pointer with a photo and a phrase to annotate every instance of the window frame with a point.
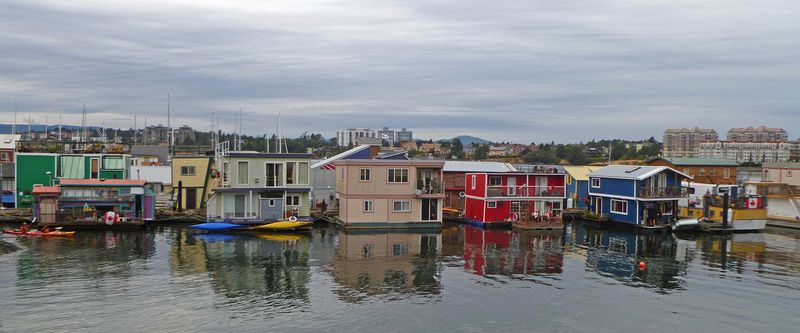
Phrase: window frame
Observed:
(499, 178)
(592, 180)
(368, 206)
(187, 174)
(392, 177)
(401, 210)
(491, 204)
(365, 171)
(293, 200)
(239, 175)
(612, 209)
(474, 182)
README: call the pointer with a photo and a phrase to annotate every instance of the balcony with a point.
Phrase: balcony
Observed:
(501, 191)
(429, 187)
(662, 192)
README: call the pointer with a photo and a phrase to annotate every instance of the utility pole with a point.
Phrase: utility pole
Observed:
(144, 132)
(59, 125)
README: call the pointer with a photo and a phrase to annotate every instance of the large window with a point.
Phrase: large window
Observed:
(296, 173)
(619, 206)
(495, 181)
(293, 200)
(596, 182)
(243, 172)
(274, 174)
(474, 181)
(397, 176)
(187, 171)
(365, 175)
(113, 163)
(401, 206)
(369, 206)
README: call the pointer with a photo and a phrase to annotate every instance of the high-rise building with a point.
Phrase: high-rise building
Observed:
(347, 137)
(185, 134)
(758, 134)
(403, 135)
(683, 142)
(386, 134)
(748, 152)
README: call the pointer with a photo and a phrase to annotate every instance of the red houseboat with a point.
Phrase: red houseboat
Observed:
(534, 193)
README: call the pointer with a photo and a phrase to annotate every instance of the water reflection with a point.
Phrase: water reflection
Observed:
(386, 264)
(516, 254)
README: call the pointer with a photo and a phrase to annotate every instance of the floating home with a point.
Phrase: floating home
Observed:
(191, 181)
(578, 185)
(637, 195)
(455, 175)
(402, 194)
(255, 188)
(533, 193)
(76, 203)
(41, 169)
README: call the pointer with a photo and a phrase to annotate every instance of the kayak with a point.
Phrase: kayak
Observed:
(54, 233)
(216, 226)
(284, 225)
(280, 237)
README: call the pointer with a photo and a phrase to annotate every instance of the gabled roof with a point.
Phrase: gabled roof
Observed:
(687, 161)
(581, 172)
(101, 182)
(474, 166)
(637, 172)
(339, 156)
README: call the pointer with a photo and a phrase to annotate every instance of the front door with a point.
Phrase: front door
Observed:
(47, 211)
(430, 210)
(272, 208)
(598, 205)
(512, 186)
(191, 198)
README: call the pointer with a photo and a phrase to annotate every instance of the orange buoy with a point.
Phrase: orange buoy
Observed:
(641, 265)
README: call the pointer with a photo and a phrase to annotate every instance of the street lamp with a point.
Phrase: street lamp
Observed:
(50, 175)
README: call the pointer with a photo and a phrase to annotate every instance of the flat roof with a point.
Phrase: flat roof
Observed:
(102, 182)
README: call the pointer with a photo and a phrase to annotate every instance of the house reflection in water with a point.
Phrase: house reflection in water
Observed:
(737, 252)
(617, 254)
(386, 264)
(242, 265)
(512, 253)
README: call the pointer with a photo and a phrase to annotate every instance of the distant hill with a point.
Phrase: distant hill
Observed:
(23, 128)
(467, 140)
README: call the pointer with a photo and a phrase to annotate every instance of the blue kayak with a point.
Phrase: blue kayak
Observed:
(217, 238)
(216, 226)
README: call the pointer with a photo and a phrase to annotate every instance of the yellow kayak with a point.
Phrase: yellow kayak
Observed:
(280, 237)
(284, 225)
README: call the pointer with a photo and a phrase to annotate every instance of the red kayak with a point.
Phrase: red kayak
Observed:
(54, 233)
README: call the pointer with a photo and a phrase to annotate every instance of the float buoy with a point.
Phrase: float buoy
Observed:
(641, 265)
(292, 218)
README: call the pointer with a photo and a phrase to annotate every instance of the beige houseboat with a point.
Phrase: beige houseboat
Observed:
(389, 193)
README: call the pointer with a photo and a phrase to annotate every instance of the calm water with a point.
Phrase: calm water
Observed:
(461, 279)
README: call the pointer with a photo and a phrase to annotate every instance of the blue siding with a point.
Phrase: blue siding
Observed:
(579, 191)
(361, 155)
(613, 186)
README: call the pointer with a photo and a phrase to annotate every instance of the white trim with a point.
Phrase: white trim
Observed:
(401, 206)
(611, 207)
(371, 206)
(99, 167)
(491, 202)
(238, 176)
(474, 181)
(591, 182)
(408, 175)
(369, 174)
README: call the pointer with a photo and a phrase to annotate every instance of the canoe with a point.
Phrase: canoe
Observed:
(216, 226)
(284, 225)
(54, 233)
(280, 237)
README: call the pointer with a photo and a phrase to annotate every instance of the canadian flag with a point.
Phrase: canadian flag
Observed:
(753, 203)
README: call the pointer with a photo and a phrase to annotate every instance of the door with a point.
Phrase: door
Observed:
(512, 186)
(47, 211)
(191, 198)
(94, 168)
(598, 205)
(430, 210)
(272, 208)
(238, 205)
(541, 186)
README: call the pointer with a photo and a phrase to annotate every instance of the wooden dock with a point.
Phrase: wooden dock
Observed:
(538, 225)
(655, 228)
(92, 225)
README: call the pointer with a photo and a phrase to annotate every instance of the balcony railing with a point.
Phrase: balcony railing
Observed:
(430, 186)
(663, 192)
(525, 191)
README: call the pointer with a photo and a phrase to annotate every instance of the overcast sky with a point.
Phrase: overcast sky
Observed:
(536, 71)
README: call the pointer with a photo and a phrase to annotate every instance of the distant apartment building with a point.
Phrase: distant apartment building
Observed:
(347, 137)
(683, 142)
(747, 152)
(185, 134)
(758, 134)
(156, 134)
(403, 135)
(386, 134)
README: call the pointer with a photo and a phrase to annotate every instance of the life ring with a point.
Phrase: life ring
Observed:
(514, 216)
(292, 218)
(462, 194)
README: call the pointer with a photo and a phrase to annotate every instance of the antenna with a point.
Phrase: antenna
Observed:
(59, 125)
(135, 130)
(45, 126)
(30, 120)
(144, 133)
(83, 125)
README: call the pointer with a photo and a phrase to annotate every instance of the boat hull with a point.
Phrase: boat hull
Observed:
(215, 226)
(284, 225)
(40, 233)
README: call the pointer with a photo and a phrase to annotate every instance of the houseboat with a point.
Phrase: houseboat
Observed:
(455, 182)
(389, 194)
(532, 194)
(578, 186)
(94, 203)
(721, 211)
(252, 188)
(642, 196)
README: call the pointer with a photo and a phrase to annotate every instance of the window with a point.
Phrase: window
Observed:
(495, 181)
(365, 175)
(291, 169)
(398, 176)
(366, 251)
(399, 249)
(187, 171)
(297, 173)
(113, 163)
(788, 173)
(474, 181)
(274, 174)
(712, 172)
(94, 168)
(302, 173)
(368, 206)
(243, 172)
(401, 206)
(726, 173)
(515, 207)
(596, 182)
(619, 206)
(293, 200)
(702, 172)
(5, 156)
(491, 204)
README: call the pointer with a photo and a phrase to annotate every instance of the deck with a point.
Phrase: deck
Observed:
(92, 225)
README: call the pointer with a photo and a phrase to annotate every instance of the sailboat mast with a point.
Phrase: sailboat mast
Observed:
(14, 126)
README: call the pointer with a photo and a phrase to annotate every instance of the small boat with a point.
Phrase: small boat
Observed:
(280, 237)
(216, 226)
(54, 233)
(284, 225)
(685, 224)
(216, 238)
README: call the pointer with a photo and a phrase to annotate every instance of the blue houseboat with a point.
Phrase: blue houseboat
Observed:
(578, 185)
(637, 195)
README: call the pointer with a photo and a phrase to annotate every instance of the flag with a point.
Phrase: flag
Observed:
(753, 203)
(385, 136)
(330, 166)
